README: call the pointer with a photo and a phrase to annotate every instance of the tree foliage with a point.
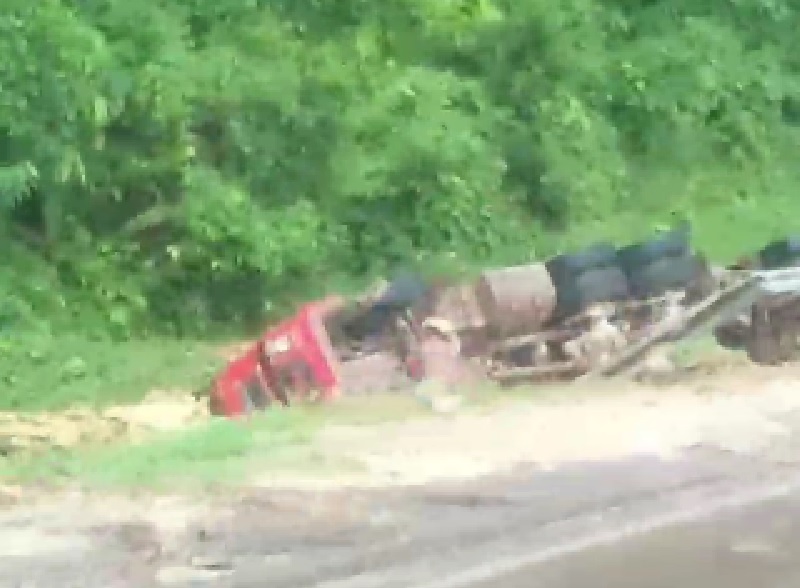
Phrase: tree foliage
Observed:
(176, 165)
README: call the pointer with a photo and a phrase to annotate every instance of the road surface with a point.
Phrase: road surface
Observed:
(745, 546)
(710, 518)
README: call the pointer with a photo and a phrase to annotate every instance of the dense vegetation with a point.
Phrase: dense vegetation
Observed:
(172, 166)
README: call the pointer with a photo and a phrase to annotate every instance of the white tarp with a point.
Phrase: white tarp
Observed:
(782, 281)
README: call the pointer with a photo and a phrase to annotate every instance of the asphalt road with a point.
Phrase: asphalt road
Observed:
(752, 546)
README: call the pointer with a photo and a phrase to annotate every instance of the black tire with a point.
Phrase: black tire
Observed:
(255, 396)
(404, 291)
(703, 284)
(607, 284)
(763, 343)
(779, 254)
(773, 338)
(763, 352)
(732, 335)
(570, 265)
(659, 277)
(675, 243)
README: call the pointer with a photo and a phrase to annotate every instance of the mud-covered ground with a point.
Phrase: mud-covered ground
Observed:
(519, 525)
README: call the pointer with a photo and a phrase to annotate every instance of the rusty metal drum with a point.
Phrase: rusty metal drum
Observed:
(516, 300)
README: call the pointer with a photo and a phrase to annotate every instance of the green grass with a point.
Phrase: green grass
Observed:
(723, 232)
(42, 372)
(733, 212)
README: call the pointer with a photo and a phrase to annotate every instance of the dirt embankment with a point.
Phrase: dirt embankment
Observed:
(740, 411)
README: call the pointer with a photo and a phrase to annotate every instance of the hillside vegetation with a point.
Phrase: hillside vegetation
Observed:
(174, 168)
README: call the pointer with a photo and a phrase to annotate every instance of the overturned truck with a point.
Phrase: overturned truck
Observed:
(596, 311)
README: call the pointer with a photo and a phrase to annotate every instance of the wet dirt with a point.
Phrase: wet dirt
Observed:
(587, 422)
(160, 412)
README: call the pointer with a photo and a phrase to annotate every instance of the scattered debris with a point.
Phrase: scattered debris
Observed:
(656, 368)
(600, 340)
(435, 396)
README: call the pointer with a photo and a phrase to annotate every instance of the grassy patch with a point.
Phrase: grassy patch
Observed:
(689, 351)
(211, 453)
(723, 230)
(703, 353)
(41, 372)
(219, 452)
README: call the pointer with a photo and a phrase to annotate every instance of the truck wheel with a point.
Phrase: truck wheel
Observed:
(780, 254)
(704, 283)
(764, 350)
(763, 344)
(570, 265)
(608, 284)
(732, 334)
(674, 243)
(659, 277)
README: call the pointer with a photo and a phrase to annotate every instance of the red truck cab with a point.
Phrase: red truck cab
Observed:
(293, 359)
